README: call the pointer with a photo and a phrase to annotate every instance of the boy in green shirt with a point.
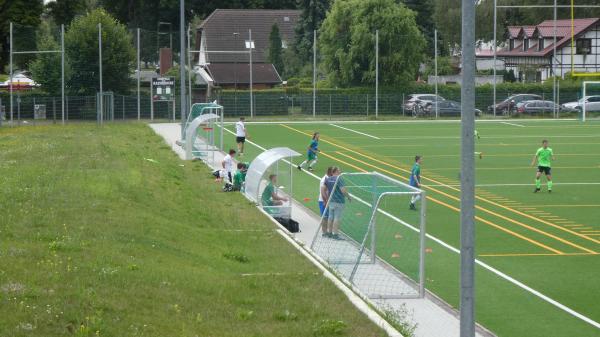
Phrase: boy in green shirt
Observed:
(239, 177)
(269, 196)
(544, 157)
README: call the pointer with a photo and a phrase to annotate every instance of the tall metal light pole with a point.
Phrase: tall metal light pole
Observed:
(435, 60)
(62, 72)
(494, 44)
(467, 174)
(377, 73)
(183, 105)
(314, 107)
(101, 95)
(553, 60)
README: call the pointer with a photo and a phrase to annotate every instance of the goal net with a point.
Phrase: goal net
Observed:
(380, 246)
(589, 104)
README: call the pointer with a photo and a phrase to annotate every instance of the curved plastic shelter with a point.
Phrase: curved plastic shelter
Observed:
(192, 149)
(255, 179)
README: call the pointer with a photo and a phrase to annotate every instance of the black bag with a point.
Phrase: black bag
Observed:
(290, 224)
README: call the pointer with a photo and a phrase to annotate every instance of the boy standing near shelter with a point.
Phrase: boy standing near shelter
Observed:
(336, 196)
(240, 135)
(227, 164)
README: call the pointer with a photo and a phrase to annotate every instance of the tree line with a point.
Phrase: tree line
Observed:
(346, 30)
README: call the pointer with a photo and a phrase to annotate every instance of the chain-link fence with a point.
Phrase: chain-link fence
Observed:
(88, 72)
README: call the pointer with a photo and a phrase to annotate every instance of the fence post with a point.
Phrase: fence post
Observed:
(367, 105)
(376, 74)
(329, 106)
(292, 106)
(19, 108)
(53, 110)
(123, 100)
(402, 103)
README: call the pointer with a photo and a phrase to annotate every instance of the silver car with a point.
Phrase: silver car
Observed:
(416, 101)
(540, 107)
(592, 103)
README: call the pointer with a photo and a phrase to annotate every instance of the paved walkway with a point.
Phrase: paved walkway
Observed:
(433, 317)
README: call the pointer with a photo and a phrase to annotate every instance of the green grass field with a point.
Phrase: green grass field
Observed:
(549, 242)
(95, 240)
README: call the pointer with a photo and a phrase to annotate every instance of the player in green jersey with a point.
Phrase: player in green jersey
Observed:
(476, 135)
(544, 157)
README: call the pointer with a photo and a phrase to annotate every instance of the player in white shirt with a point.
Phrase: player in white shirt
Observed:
(228, 165)
(240, 135)
(323, 190)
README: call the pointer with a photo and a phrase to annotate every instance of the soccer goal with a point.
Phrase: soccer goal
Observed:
(589, 104)
(381, 244)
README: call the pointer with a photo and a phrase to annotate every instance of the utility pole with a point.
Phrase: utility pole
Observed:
(467, 174)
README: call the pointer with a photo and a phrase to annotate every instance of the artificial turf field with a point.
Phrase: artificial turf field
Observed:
(540, 253)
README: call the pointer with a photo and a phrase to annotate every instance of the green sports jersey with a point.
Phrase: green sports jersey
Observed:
(267, 194)
(238, 179)
(544, 156)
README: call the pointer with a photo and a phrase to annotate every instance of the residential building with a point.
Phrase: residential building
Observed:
(529, 50)
(226, 38)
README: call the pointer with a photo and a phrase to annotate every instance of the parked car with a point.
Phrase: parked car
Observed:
(416, 101)
(510, 103)
(446, 108)
(592, 103)
(539, 107)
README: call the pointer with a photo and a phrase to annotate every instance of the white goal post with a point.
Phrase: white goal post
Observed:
(585, 93)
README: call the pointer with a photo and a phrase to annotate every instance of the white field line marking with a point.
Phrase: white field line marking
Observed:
(279, 274)
(482, 264)
(443, 121)
(513, 124)
(506, 185)
(360, 133)
(489, 137)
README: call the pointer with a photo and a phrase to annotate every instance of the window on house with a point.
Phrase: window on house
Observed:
(525, 44)
(583, 46)
(540, 44)
(511, 44)
(249, 44)
(286, 19)
(284, 44)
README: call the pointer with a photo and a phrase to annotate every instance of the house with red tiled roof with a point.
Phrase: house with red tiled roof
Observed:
(227, 39)
(529, 50)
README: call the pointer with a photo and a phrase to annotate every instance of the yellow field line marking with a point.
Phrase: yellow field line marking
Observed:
(537, 254)
(534, 229)
(494, 203)
(597, 205)
(594, 231)
(457, 199)
(539, 244)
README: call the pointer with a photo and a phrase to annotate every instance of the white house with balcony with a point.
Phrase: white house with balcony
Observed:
(529, 50)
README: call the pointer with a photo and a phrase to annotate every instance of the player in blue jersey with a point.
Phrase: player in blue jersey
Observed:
(311, 154)
(415, 181)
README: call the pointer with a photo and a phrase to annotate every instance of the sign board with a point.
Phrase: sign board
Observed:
(39, 111)
(163, 89)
